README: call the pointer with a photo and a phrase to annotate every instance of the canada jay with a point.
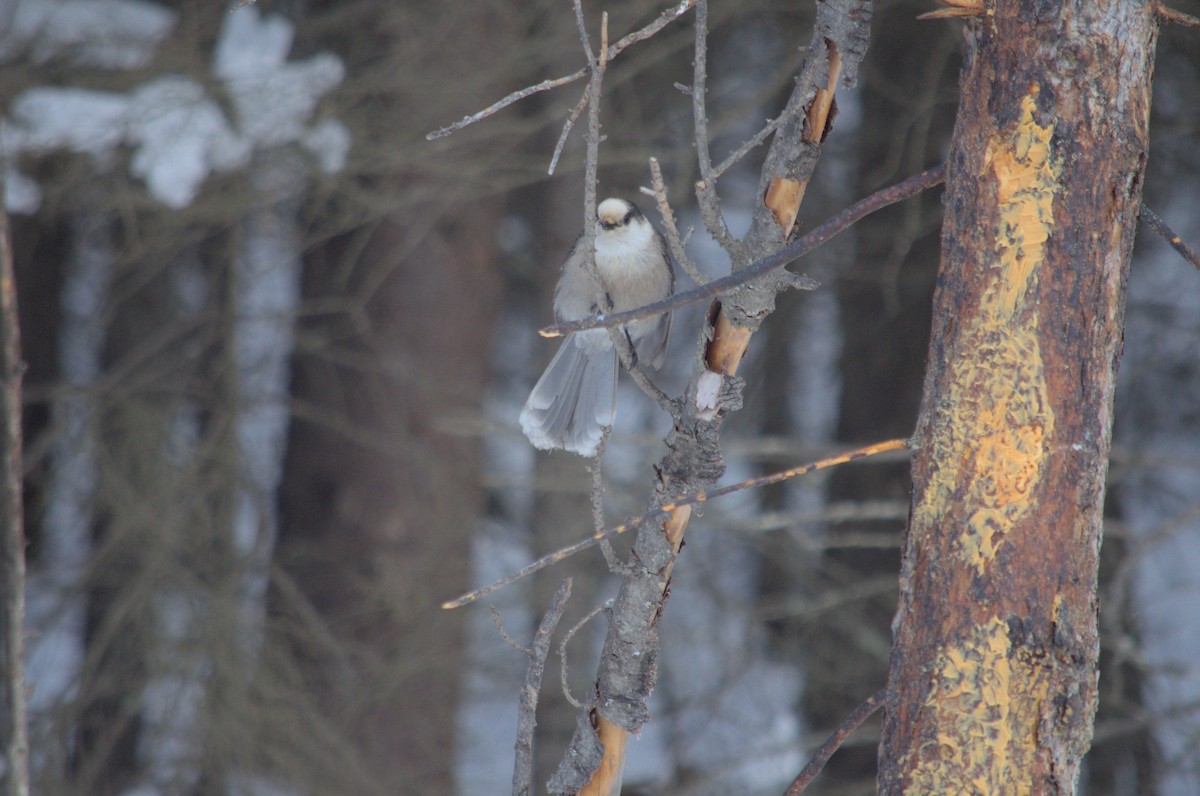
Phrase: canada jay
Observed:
(576, 398)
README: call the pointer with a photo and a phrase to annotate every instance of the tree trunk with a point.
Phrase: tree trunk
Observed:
(993, 679)
(376, 513)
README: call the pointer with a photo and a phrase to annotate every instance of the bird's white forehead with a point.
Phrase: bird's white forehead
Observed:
(611, 211)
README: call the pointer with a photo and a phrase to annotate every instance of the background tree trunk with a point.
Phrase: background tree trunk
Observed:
(993, 679)
(376, 522)
(884, 293)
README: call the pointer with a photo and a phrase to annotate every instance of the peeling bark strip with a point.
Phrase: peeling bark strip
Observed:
(993, 680)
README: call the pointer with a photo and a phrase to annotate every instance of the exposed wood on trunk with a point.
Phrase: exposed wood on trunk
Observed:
(993, 679)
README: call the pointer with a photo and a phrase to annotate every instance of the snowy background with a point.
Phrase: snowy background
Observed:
(277, 344)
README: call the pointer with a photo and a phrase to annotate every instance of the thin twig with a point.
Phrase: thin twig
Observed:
(538, 651)
(13, 521)
(604, 39)
(664, 19)
(672, 230)
(581, 25)
(748, 146)
(1179, 244)
(509, 640)
(562, 652)
(1177, 17)
(592, 159)
(667, 508)
(848, 725)
(793, 251)
(699, 89)
(636, 372)
(500, 105)
(706, 187)
(566, 131)
(714, 221)
(596, 468)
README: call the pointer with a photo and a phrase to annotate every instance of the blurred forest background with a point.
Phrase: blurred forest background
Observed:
(277, 343)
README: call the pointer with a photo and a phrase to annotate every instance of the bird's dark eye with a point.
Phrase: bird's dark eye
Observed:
(628, 217)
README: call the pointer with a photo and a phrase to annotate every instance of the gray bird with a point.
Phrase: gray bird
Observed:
(576, 398)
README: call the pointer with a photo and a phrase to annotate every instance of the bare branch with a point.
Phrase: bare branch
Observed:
(664, 19)
(13, 521)
(793, 251)
(748, 146)
(672, 230)
(566, 131)
(604, 39)
(596, 468)
(849, 725)
(500, 105)
(706, 188)
(667, 508)
(955, 8)
(636, 372)
(509, 640)
(1177, 17)
(562, 653)
(693, 460)
(591, 164)
(714, 221)
(583, 34)
(1179, 244)
(699, 89)
(538, 651)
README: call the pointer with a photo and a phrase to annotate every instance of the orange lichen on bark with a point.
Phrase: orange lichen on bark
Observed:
(995, 424)
(1026, 179)
(972, 697)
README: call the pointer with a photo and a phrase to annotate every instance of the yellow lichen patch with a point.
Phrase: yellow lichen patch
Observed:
(994, 424)
(1026, 179)
(987, 699)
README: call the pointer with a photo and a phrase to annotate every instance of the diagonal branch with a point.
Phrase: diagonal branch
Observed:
(835, 741)
(628, 667)
(527, 712)
(1169, 235)
(666, 509)
(670, 228)
(665, 18)
(776, 260)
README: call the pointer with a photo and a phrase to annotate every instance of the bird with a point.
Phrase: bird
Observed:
(575, 400)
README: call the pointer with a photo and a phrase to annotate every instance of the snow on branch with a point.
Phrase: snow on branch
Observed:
(178, 133)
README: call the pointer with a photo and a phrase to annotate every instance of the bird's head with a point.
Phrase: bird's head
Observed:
(614, 214)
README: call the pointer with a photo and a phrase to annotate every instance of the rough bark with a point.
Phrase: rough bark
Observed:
(993, 679)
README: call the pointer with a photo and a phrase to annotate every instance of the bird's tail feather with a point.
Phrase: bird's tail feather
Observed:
(574, 400)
